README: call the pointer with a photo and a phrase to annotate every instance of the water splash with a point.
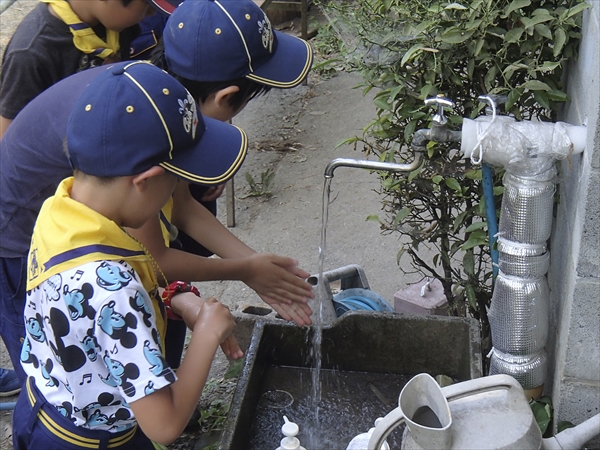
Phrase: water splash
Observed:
(321, 296)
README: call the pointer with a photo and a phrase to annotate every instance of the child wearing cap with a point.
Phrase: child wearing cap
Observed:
(97, 377)
(61, 37)
(226, 53)
(33, 163)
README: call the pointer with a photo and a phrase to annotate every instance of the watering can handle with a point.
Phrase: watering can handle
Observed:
(452, 392)
(384, 427)
(489, 383)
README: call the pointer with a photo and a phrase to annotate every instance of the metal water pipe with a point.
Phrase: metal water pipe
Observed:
(438, 132)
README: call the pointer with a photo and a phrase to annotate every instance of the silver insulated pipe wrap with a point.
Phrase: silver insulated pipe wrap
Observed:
(518, 313)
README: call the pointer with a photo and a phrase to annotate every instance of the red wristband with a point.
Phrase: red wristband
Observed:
(175, 288)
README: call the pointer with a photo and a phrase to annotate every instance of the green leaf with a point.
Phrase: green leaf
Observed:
(455, 6)
(459, 220)
(476, 226)
(560, 38)
(399, 255)
(471, 297)
(453, 184)
(514, 5)
(402, 214)
(513, 35)
(469, 263)
(473, 174)
(542, 415)
(542, 98)
(577, 9)
(535, 85)
(373, 218)
(426, 91)
(437, 179)
(557, 96)
(543, 30)
(549, 66)
(414, 173)
(456, 36)
(235, 369)
(476, 239)
(382, 103)
(411, 53)
(513, 97)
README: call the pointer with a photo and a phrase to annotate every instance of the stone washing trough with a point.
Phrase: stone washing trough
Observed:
(366, 358)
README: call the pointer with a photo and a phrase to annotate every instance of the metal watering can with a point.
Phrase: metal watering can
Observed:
(485, 413)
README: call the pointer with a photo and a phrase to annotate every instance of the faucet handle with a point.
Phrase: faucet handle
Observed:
(441, 102)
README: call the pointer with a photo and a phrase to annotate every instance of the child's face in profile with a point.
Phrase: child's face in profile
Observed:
(116, 17)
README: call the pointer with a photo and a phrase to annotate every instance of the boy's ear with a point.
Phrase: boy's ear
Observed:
(222, 96)
(139, 180)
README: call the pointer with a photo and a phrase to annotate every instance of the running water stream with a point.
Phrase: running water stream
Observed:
(321, 296)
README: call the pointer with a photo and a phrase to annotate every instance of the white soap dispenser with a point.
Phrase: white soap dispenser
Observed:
(290, 441)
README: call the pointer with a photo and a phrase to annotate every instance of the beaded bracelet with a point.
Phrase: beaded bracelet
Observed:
(175, 288)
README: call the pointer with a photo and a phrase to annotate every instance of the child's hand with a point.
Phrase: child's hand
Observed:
(215, 318)
(281, 284)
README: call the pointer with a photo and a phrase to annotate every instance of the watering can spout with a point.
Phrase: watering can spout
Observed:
(574, 438)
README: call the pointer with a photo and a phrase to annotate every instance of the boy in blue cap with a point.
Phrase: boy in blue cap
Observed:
(61, 37)
(32, 164)
(226, 53)
(95, 321)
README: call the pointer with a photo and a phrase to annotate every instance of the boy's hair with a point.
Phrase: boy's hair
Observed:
(201, 90)
(103, 181)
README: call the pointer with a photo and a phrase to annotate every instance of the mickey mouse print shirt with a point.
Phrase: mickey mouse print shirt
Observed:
(93, 343)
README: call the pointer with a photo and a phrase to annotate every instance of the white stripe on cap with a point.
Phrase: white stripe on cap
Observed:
(162, 119)
(241, 36)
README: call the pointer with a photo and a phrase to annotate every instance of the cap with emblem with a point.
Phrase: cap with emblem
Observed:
(221, 40)
(135, 116)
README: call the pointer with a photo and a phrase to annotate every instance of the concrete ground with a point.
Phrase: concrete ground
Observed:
(295, 134)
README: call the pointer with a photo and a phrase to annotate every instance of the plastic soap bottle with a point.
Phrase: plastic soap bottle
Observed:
(290, 441)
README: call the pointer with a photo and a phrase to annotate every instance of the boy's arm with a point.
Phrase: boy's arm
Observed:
(4, 123)
(269, 275)
(164, 414)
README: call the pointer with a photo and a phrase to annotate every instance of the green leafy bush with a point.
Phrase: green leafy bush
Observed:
(410, 50)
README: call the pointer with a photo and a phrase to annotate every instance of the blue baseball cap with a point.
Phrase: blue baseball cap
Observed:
(221, 40)
(135, 116)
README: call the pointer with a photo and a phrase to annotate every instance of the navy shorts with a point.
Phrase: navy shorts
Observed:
(12, 304)
(39, 425)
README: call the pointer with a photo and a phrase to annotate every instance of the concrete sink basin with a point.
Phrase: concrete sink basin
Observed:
(367, 357)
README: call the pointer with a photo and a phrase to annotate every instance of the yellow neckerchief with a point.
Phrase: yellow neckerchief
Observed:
(84, 38)
(68, 234)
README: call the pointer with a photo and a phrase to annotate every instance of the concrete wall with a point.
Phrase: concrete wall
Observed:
(574, 276)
